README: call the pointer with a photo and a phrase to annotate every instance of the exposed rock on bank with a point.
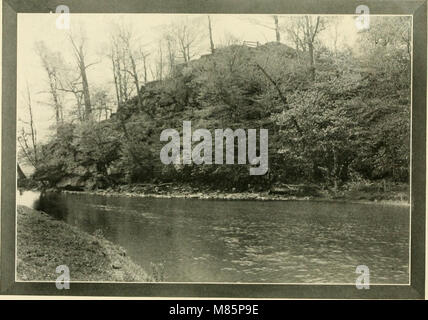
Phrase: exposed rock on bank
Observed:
(279, 192)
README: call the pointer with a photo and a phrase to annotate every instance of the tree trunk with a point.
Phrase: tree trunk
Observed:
(145, 69)
(211, 35)
(281, 95)
(311, 61)
(86, 95)
(33, 131)
(55, 99)
(335, 171)
(277, 31)
(116, 83)
(80, 57)
(79, 107)
(136, 81)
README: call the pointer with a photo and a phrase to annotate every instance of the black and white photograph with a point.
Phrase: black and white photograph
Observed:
(216, 149)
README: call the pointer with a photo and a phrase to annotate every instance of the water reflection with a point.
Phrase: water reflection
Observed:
(247, 241)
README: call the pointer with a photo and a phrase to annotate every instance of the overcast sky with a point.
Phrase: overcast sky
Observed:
(147, 27)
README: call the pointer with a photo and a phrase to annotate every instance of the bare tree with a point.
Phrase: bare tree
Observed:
(295, 34)
(277, 30)
(127, 56)
(117, 75)
(79, 53)
(311, 30)
(275, 26)
(188, 35)
(144, 57)
(159, 66)
(171, 47)
(101, 103)
(78, 96)
(130, 58)
(52, 63)
(28, 141)
(303, 32)
(335, 34)
(210, 30)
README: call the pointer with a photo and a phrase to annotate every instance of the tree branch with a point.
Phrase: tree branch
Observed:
(281, 95)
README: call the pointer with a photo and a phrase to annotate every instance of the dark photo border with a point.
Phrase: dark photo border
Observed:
(416, 289)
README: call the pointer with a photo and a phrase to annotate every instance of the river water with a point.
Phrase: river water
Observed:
(245, 241)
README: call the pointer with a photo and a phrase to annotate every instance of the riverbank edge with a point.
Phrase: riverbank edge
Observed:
(244, 196)
(44, 243)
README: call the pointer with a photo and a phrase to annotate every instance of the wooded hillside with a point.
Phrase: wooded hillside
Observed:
(335, 117)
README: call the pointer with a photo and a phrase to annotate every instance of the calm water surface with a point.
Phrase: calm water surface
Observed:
(245, 241)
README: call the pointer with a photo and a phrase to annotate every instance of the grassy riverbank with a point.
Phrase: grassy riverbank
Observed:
(45, 243)
(398, 195)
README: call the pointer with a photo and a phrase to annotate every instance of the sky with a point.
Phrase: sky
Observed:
(148, 29)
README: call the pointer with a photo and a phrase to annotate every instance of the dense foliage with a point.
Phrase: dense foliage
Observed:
(350, 124)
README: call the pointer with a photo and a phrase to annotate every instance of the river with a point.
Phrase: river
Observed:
(244, 241)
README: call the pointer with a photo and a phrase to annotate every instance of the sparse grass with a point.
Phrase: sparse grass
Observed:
(45, 243)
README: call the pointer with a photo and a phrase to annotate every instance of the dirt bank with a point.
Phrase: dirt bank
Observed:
(45, 243)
